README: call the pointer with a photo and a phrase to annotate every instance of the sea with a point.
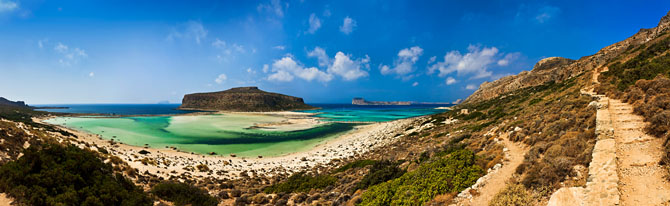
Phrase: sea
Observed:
(161, 125)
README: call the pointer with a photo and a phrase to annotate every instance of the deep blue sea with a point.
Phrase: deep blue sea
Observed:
(116, 109)
(330, 112)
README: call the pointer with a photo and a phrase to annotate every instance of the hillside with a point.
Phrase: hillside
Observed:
(558, 69)
(242, 99)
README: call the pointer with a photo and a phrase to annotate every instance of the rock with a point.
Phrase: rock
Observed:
(144, 152)
(235, 193)
(259, 199)
(281, 202)
(299, 198)
(243, 99)
(224, 195)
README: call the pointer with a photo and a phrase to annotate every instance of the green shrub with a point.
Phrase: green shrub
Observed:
(534, 101)
(450, 174)
(646, 65)
(183, 194)
(512, 195)
(67, 175)
(355, 164)
(381, 171)
(301, 182)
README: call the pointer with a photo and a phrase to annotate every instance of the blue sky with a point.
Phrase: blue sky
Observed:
(323, 51)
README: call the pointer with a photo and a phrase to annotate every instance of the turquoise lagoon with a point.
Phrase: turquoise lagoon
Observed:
(234, 133)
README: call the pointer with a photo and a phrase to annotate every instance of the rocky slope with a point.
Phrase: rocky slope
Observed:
(6, 102)
(242, 99)
(558, 69)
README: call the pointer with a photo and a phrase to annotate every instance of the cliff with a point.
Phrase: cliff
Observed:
(242, 99)
(6, 102)
(558, 69)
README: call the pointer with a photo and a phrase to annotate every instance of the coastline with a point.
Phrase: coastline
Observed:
(170, 163)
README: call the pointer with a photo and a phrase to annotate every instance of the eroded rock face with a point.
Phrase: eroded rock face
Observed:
(242, 99)
(558, 69)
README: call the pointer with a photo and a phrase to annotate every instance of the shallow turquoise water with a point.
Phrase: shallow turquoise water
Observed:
(200, 136)
(225, 134)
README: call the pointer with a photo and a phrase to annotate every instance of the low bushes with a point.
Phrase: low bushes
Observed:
(301, 182)
(67, 175)
(381, 171)
(452, 173)
(355, 164)
(183, 194)
(512, 195)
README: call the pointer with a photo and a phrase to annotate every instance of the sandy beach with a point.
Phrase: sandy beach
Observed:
(167, 162)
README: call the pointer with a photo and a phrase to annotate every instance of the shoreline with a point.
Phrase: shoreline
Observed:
(170, 163)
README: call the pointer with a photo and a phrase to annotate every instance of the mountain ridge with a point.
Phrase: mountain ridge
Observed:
(563, 69)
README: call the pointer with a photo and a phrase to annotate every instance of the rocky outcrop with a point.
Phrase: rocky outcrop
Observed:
(242, 99)
(6, 102)
(558, 69)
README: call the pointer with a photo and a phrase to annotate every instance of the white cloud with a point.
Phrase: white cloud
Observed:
(8, 6)
(221, 78)
(218, 43)
(238, 48)
(546, 13)
(476, 62)
(41, 43)
(341, 65)
(471, 87)
(432, 59)
(509, 58)
(91, 74)
(69, 56)
(61, 48)
(227, 50)
(314, 24)
(321, 56)
(189, 30)
(450, 81)
(281, 76)
(286, 68)
(348, 69)
(415, 84)
(274, 6)
(404, 64)
(251, 71)
(266, 68)
(348, 25)
(279, 47)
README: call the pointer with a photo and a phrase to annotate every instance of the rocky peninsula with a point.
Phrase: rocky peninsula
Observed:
(243, 99)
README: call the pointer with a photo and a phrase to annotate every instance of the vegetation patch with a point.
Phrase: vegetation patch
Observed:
(512, 195)
(301, 182)
(67, 175)
(380, 171)
(355, 164)
(453, 173)
(183, 194)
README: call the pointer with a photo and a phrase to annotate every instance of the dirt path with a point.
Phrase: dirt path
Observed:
(4, 200)
(641, 178)
(625, 167)
(497, 180)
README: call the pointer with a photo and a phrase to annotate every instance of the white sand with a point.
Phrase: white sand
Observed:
(170, 162)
